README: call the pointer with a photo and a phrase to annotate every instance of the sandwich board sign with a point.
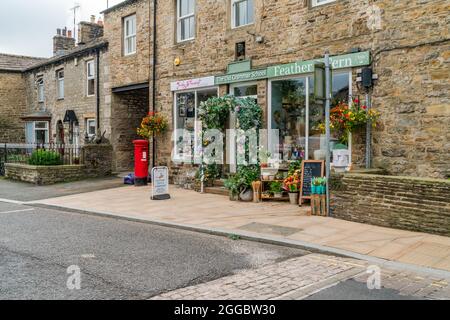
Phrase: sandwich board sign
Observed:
(160, 183)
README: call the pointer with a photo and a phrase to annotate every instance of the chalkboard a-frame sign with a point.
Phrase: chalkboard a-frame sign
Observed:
(310, 169)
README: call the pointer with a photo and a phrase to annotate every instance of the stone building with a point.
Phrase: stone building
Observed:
(13, 103)
(127, 29)
(405, 42)
(65, 94)
(265, 50)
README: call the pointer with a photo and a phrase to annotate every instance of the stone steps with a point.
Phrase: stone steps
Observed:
(217, 190)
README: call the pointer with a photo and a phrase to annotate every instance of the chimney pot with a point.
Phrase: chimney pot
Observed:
(69, 33)
(93, 19)
(100, 22)
(64, 32)
(58, 32)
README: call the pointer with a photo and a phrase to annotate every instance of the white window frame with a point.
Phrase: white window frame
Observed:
(132, 20)
(316, 3)
(60, 84)
(181, 18)
(197, 124)
(46, 129)
(233, 14)
(40, 89)
(88, 125)
(90, 77)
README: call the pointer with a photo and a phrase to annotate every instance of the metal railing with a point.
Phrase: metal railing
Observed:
(21, 153)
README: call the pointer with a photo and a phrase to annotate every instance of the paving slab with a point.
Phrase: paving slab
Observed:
(210, 212)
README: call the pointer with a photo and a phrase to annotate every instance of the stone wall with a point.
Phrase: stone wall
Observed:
(416, 204)
(128, 109)
(12, 107)
(98, 160)
(44, 175)
(133, 68)
(409, 42)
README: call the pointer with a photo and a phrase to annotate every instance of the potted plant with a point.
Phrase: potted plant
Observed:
(233, 184)
(264, 156)
(276, 188)
(153, 123)
(315, 184)
(322, 185)
(292, 185)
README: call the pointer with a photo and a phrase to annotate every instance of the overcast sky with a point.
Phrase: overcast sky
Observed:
(27, 27)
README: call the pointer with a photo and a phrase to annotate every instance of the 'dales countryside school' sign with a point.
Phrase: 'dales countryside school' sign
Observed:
(160, 183)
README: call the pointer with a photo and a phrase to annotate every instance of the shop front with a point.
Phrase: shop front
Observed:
(187, 96)
(295, 120)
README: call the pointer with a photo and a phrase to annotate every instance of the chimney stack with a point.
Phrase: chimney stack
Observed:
(62, 42)
(89, 31)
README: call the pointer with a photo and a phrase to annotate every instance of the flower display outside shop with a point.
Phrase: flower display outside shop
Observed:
(345, 119)
(153, 123)
(292, 182)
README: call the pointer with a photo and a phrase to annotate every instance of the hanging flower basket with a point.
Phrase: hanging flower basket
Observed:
(153, 124)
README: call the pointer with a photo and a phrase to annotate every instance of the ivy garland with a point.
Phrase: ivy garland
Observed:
(215, 111)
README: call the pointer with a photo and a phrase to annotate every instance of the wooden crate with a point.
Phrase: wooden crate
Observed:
(319, 205)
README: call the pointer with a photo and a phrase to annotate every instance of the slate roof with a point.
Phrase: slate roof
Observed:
(15, 63)
(77, 51)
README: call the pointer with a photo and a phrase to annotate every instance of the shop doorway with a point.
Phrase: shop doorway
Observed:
(239, 90)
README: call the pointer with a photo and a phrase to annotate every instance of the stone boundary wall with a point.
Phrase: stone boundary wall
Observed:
(416, 204)
(97, 162)
(44, 175)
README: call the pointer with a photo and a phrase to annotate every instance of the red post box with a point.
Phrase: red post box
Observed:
(141, 160)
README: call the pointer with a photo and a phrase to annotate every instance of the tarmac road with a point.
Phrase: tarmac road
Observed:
(117, 259)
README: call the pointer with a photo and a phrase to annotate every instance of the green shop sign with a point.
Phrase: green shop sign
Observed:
(337, 62)
(239, 71)
(242, 77)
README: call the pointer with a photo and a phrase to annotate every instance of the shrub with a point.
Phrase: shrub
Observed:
(45, 158)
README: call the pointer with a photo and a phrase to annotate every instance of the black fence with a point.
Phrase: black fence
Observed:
(21, 153)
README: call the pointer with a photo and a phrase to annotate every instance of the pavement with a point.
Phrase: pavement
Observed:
(21, 191)
(117, 259)
(271, 222)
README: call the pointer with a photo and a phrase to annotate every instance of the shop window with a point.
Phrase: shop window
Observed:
(90, 66)
(315, 3)
(40, 89)
(90, 127)
(129, 33)
(186, 125)
(60, 83)
(185, 20)
(242, 12)
(37, 132)
(299, 118)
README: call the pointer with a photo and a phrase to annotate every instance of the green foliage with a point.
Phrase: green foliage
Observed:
(234, 237)
(294, 166)
(214, 112)
(243, 179)
(276, 187)
(319, 181)
(45, 158)
(248, 114)
(211, 172)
